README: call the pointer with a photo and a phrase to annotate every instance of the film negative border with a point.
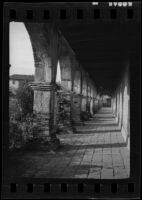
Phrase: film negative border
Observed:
(47, 188)
(65, 189)
(76, 13)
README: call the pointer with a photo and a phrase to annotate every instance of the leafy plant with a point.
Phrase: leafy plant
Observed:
(24, 96)
(24, 131)
(63, 109)
(63, 123)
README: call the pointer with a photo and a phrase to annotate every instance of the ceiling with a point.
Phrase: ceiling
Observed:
(102, 49)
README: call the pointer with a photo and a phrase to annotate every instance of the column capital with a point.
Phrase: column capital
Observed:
(43, 86)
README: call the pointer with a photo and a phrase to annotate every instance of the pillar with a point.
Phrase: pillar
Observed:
(94, 101)
(115, 105)
(118, 103)
(91, 103)
(121, 106)
(84, 93)
(66, 84)
(44, 85)
(76, 98)
(126, 109)
(88, 95)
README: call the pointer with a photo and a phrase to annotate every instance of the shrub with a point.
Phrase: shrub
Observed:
(63, 110)
(24, 131)
(15, 134)
(25, 98)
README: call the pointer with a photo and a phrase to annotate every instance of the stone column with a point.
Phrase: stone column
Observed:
(115, 105)
(42, 100)
(88, 95)
(91, 103)
(117, 114)
(53, 51)
(83, 104)
(44, 86)
(121, 107)
(76, 98)
(84, 93)
(66, 84)
(94, 99)
(112, 104)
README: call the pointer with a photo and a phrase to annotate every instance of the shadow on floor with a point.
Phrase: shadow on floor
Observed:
(96, 146)
(97, 131)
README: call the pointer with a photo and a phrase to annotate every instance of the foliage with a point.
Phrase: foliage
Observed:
(84, 116)
(11, 92)
(63, 119)
(15, 134)
(24, 126)
(23, 131)
(24, 96)
(63, 109)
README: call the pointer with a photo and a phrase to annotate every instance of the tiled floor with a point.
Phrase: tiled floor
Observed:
(97, 151)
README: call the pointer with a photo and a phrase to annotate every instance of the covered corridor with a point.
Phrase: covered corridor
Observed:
(77, 65)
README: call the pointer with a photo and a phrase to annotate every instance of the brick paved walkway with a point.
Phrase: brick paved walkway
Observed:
(96, 151)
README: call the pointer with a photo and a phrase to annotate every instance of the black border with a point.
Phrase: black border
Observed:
(135, 116)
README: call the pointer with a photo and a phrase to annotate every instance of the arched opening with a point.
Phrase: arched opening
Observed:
(106, 100)
(21, 68)
(21, 57)
(58, 74)
(21, 52)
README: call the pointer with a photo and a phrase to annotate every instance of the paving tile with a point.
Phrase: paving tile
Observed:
(80, 176)
(94, 175)
(83, 155)
(106, 173)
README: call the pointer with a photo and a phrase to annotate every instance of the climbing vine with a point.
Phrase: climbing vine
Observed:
(63, 116)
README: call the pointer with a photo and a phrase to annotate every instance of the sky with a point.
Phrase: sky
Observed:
(21, 53)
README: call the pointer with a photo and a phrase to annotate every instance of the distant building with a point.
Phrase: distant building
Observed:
(106, 100)
(16, 80)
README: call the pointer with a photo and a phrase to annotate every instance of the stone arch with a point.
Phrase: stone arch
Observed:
(121, 106)
(84, 92)
(76, 98)
(41, 51)
(88, 103)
